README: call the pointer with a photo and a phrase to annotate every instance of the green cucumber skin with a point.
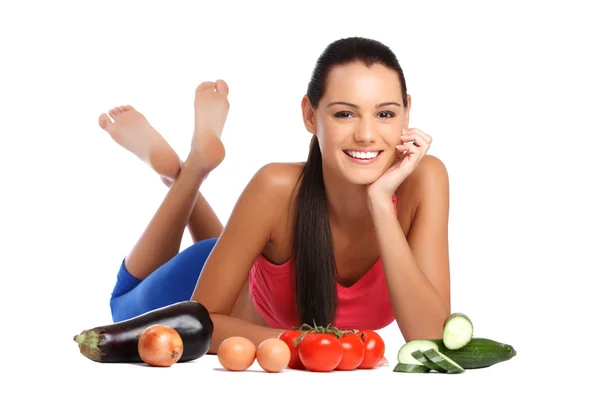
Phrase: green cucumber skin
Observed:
(457, 314)
(411, 368)
(420, 344)
(478, 353)
(443, 361)
(420, 357)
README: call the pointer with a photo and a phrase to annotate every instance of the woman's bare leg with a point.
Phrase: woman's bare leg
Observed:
(204, 222)
(133, 131)
(161, 239)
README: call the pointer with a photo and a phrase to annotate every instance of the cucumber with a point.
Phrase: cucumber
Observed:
(418, 355)
(413, 368)
(458, 331)
(443, 361)
(405, 352)
(478, 353)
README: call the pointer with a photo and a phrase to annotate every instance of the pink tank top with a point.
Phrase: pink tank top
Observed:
(364, 305)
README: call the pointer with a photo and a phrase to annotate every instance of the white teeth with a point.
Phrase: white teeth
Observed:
(364, 155)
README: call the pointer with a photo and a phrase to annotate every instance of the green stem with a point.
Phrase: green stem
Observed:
(89, 341)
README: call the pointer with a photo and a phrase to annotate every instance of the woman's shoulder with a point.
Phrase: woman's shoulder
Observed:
(429, 181)
(431, 171)
(279, 177)
(276, 182)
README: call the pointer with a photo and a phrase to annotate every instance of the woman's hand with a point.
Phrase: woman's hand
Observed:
(414, 145)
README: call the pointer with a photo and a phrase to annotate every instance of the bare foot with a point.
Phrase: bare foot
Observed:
(133, 131)
(210, 111)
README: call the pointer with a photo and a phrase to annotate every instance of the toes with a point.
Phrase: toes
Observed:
(118, 110)
(104, 121)
(222, 86)
(114, 112)
(206, 86)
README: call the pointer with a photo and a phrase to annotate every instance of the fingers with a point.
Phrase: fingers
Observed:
(417, 136)
(413, 146)
(405, 150)
(409, 148)
(414, 141)
(402, 147)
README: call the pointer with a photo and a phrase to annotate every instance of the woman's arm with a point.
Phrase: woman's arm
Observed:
(244, 237)
(416, 267)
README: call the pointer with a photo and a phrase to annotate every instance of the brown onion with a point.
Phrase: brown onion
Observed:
(160, 346)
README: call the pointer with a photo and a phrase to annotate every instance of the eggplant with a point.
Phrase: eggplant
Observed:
(118, 342)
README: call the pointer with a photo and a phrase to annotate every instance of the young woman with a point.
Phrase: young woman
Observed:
(356, 236)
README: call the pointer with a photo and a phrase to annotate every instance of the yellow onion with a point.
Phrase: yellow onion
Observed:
(160, 346)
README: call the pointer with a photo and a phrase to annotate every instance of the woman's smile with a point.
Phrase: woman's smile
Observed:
(363, 157)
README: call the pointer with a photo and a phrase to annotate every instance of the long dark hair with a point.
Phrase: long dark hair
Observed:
(315, 269)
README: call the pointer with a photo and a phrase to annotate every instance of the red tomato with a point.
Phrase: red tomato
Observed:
(288, 337)
(374, 349)
(354, 352)
(320, 352)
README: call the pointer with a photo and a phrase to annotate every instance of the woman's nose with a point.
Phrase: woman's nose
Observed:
(365, 132)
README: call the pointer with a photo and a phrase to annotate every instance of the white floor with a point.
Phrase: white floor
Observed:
(205, 378)
(59, 369)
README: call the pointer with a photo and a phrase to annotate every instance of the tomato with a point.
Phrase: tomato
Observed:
(288, 336)
(320, 352)
(354, 352)
(374, 349)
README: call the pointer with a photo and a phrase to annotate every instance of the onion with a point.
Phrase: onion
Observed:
(160, 346)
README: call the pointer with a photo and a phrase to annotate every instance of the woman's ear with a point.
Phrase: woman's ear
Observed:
(308, 114)
(407, 112)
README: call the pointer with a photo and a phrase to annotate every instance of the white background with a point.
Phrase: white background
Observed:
(508, 91)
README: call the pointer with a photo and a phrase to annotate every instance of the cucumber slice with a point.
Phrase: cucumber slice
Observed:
(443, 361)
(458, 331)
(420, 357)
(405, 352)
(413, 368)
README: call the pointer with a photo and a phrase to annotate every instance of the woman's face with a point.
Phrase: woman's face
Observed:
(359, 121)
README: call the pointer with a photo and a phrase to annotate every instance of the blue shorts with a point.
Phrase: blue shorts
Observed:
(170, 283)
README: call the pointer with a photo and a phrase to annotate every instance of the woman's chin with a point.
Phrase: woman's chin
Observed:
(362, 178)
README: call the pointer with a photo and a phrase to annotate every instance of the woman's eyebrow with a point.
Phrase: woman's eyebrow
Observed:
(388, 103)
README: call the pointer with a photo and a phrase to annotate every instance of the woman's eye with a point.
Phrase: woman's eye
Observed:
(342, 114)
(346, 115)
